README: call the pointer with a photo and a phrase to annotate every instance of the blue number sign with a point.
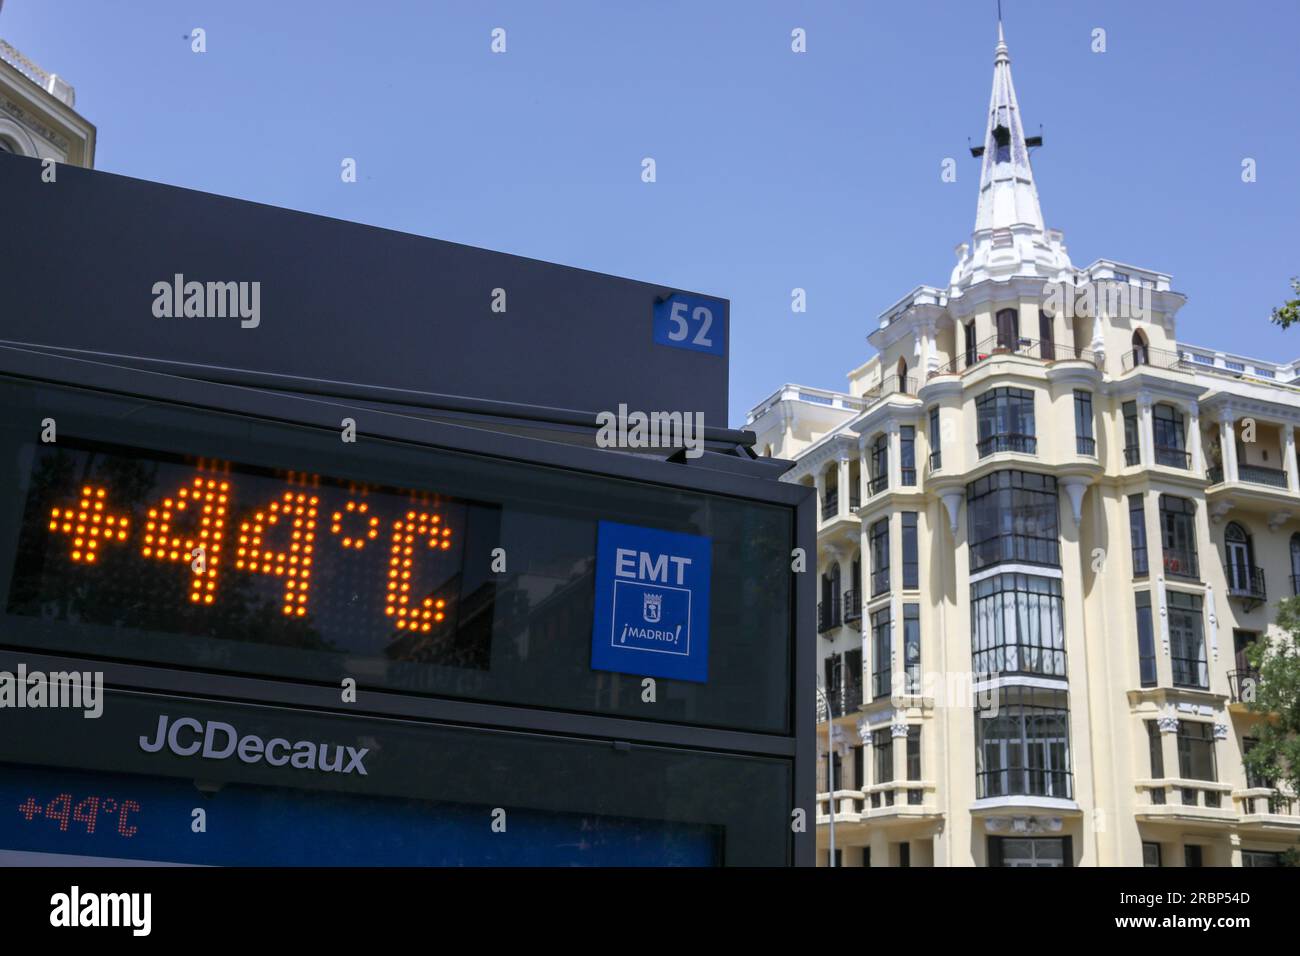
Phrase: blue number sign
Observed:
(693, 322)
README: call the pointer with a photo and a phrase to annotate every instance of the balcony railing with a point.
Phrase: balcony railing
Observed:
(1182, 563)
(1025, 782)
(1172, 457)
(1258, 475)
(907, 475)
(1132, 455)
(830, 506)
(852, 605)
(1027, 444)
(1085, 446)
(1245, 582)
(879, 581)
(891, 385)
(855, 500)
(878, 484)
(828, 616)
(847, 701)
(1154, 358)
(1255, 474)
(936, 460)
(1030, 348)
(1243, 685)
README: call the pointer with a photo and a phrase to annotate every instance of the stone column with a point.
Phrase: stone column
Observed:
(1146, 438)
(1228, 444)
(895, 456)
(843, 500)
(1194, 438)
(819, 480)
(1288, 458)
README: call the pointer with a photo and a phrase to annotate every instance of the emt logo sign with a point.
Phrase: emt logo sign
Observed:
(652, 603)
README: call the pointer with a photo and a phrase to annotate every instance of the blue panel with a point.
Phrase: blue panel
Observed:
(652, 602)
(123, 816)
(693, 322)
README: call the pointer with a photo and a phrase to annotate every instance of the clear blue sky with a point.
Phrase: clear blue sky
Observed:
(775, 170)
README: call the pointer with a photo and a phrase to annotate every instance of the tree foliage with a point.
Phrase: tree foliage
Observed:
(1288, 313)
(1276, 758)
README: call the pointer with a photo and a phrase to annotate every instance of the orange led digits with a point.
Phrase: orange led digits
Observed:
(88, 524)
(206, 499)
(423, 527)
(299, 513)
(371, 529)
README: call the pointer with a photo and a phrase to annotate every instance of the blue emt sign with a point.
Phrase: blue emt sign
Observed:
(652, 602)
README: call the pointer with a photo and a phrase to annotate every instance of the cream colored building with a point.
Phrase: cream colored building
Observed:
(37, 114)
(1047, 530)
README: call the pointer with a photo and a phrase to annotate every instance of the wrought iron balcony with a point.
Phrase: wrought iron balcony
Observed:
(1085, 446)
(1258, 475)
(830, 506)
(1154, 358)
(1030, 348)
(1132, 455)
(1028, 444)
(1214, 474)
(936, 460)
(1172, 457)
(1242, 685)
(852, 605)
(1245, 582)
(878, 484)
(1025, 782)
(828, 616)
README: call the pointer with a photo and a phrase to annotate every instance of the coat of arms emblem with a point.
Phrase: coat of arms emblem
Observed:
(652, 608)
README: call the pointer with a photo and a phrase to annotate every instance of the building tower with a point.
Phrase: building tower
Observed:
(37, 113)
(1043, 547)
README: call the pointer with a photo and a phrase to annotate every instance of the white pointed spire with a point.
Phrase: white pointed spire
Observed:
(1009, 236)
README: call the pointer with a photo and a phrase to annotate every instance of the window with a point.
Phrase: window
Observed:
(1187, 640)
(1196, 751)
(904, 854)
(1008, 323)
(911, 561)
(1012, 516)
(1295, 564)
(1031, 851)
(914, 752)
(1260, 858)
(1239, 561)
(1017, 626)
(882, 746)
(1141, 354)
(1146, 640)
(881, 654)
(1150, 853)
(1085, 444)
(907, 453)
(878, 539)
(879, 465)
(972, 351)
(1022, 748)
(1005, 421)
(1171, 443)
(1192, 855)
(912, 648)
(860, 768)
(1178, 537)
(936, 445)
(1253, 779)
(1046, 338)
(1132, 443)
(1156, 750)
(1137, 532)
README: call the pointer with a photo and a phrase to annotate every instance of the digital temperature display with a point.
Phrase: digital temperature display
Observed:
(131, 539)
